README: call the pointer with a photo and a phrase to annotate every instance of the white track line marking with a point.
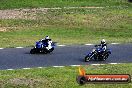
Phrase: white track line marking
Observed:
(61, 45)
(10, 69)
(89, 44)
(113, 63)
(1, 48)
(19, 47)
(26, 68)
(70, 65)
(40, 67)
(115, 43)
(97, 64)
(58, 66)
(74, 65)
(102, 64)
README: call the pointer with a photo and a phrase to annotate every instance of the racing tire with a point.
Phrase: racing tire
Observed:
(105, 57)
(45, 51)
(51, 49)
(33, 51)
(48, 51)
(87, 58)
(81, 80)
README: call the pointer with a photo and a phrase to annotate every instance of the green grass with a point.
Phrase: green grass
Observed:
(10, 4)
(65, 26)
(62, 35)
(70, 26)
(60, 77)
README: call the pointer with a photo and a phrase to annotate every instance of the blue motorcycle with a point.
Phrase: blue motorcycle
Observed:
(98, 54)
(40, 47)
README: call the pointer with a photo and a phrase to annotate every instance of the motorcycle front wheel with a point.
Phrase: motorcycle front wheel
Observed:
(87, 58)
(32, 51)
(105, 57)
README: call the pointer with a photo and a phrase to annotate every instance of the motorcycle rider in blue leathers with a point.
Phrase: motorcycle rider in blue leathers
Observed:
(103, 46)
(100, 52)
(46, 41)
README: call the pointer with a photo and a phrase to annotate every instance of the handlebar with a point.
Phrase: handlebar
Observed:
(96, 45)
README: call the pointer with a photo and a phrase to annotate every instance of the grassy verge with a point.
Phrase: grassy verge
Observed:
(69, 26)
(60, 77)
(63, 36)
(9, 4)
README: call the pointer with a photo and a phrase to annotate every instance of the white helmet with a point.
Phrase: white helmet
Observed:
(103, 41)
(93, 50)
(47, 37)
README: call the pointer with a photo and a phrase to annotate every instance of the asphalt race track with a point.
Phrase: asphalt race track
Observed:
(14, 58)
